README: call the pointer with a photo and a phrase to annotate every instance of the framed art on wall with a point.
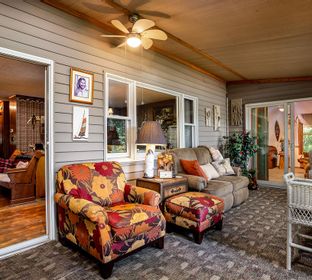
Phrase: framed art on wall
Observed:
(236, 112)
(216, 117)
(208, 117)
(80, 123)
(81, 86)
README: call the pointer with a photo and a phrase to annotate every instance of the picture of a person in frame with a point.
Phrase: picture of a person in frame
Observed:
(81, 87)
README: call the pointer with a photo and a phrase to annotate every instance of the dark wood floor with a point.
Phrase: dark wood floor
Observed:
(20, 222)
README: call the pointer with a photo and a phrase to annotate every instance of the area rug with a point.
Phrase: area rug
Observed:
(252, 245)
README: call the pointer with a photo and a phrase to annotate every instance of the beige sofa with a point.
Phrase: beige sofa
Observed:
(233, 189)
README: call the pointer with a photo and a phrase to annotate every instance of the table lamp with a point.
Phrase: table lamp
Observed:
(150, 135)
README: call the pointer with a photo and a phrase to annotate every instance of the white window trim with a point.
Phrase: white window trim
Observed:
(132, 133)
(195, 140)
(128, 119)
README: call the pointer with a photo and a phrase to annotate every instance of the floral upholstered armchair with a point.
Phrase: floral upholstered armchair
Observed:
(103, 215)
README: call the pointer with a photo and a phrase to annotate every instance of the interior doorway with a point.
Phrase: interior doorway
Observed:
(284, 135)
(22, 155)
(26, 152)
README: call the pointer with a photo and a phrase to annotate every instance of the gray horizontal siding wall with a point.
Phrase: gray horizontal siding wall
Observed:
(258, 93)
(35, 28)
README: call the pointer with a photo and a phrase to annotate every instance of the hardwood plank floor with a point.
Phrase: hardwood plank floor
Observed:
(21, 222)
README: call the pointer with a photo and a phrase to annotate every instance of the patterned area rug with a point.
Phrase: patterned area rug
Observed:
(252, 245)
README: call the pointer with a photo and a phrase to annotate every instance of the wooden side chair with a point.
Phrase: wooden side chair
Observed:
(21, 181)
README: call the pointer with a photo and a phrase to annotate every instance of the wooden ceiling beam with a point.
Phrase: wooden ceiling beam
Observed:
(272, 80)
(181, 42)
(113, 30)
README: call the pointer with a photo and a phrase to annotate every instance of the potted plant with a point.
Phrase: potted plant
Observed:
(240, 148)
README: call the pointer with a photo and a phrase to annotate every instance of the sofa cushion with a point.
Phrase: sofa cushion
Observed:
(102, 183)
(240, 196)
(129, 214)
(238, 182)
(185, 153)
(210, 171)
(194, 206)
(223, 167)
(128, 222)
(219, 188)
(215, 154)
(192, 167)
(203, 155)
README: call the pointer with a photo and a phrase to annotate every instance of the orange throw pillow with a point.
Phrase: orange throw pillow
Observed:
(192, 167)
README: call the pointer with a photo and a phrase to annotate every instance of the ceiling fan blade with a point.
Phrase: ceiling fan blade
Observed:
(153, 13)
(119, 26)
(154, 34)
(134, 4)
(121, 45)
(113, 36)
(146, 43)
(141, 25)
(100, 8)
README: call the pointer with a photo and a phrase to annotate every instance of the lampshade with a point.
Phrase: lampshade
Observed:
(151, 133)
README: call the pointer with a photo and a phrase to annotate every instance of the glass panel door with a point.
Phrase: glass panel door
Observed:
(301, 117)
(267, 124)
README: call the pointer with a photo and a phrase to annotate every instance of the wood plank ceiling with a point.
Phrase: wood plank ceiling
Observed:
(228, 40)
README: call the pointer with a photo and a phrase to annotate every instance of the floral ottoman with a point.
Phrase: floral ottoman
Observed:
(195, 211)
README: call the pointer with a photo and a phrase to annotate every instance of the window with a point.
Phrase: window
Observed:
(118, 118)
(307, 138)
(129, 104)
(153, 105)
(189, 123)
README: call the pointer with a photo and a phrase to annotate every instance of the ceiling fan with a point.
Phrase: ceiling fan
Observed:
(140, 34)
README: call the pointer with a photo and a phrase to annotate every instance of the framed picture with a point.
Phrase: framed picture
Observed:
(81, 86)
(236, 112)
(208, 117)
(216, 117)
(80, 123)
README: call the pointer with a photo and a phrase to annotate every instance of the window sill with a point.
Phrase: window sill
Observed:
(126, 161)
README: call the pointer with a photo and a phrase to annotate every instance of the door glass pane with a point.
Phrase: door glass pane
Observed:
(157, 106)
(116, 136)
(188, 111)
(267, 123)
(117, 98)
(188, 131)
(302, 114)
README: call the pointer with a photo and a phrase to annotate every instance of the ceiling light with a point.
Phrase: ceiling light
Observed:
(134, 40)
(281, 109)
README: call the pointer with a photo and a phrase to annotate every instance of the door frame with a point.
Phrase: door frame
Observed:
(49, 154)
(288, 105)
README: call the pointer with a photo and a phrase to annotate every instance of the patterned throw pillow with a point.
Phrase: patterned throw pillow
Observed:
(216, 155)
(210, 171)
(223, 167)
(5, 164)
(192, 167)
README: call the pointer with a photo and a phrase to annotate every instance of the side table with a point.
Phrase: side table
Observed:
(165, 187)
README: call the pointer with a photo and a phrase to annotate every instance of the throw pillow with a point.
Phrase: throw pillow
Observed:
(22, 164)
(192, 167)
(216, 155)
(210, 171)
(223, 167)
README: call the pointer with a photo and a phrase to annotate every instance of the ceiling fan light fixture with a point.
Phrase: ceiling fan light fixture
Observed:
(134, 41)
